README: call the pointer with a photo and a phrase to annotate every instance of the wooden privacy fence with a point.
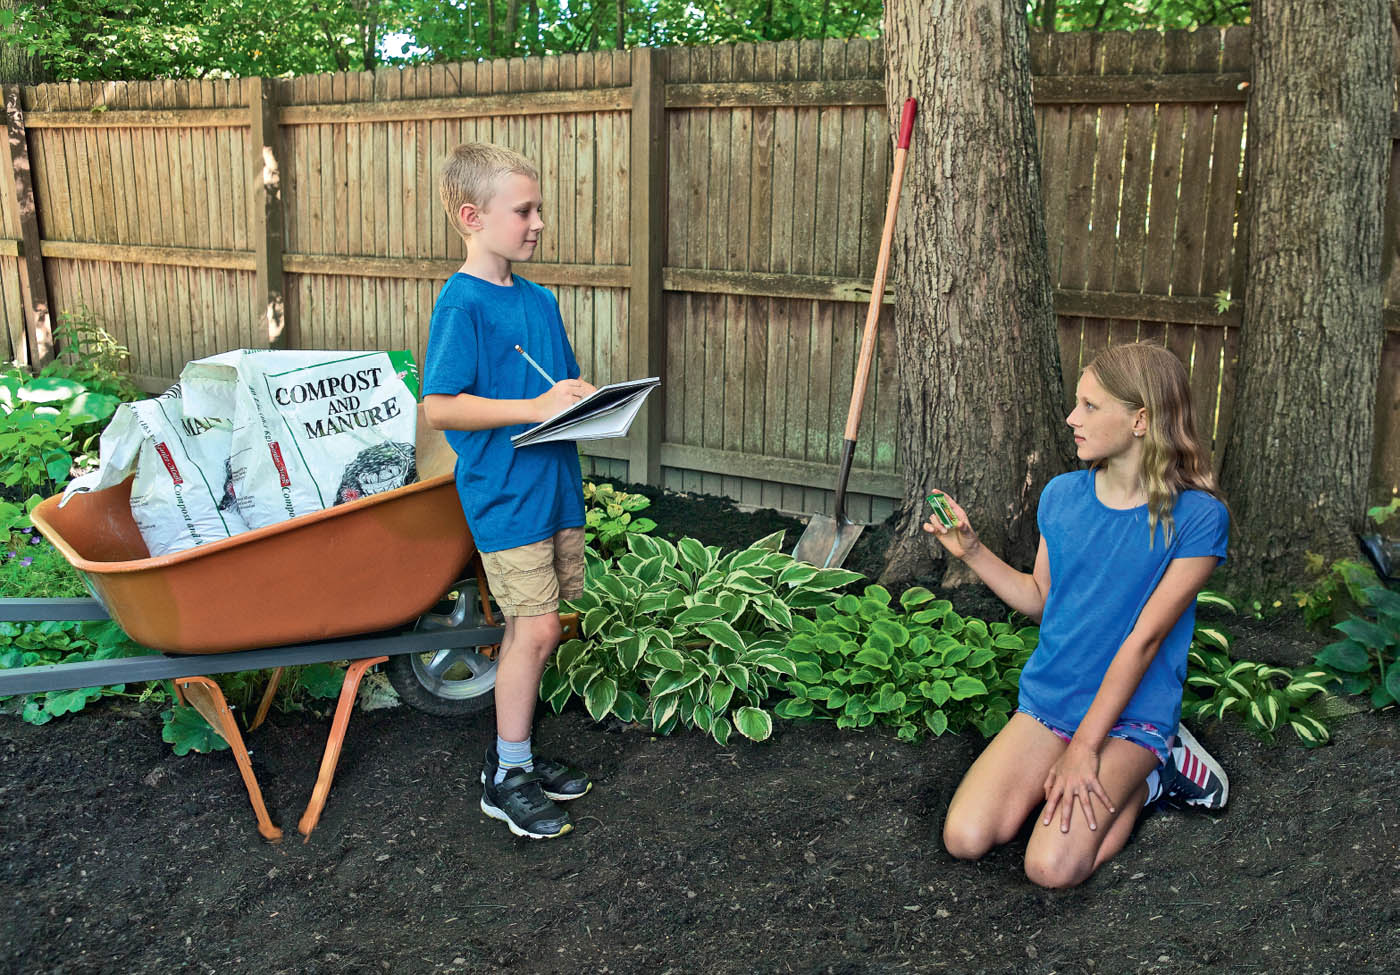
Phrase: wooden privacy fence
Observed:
(713, 219)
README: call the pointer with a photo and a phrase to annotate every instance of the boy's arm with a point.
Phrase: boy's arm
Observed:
(467, 412)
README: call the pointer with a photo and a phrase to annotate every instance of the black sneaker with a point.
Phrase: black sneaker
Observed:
(520, 802)
(560, 782)
(1193, 778)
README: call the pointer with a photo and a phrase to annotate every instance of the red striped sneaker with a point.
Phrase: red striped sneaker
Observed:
(1193, 778)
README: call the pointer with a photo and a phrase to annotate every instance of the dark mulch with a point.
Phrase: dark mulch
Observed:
(815, 852)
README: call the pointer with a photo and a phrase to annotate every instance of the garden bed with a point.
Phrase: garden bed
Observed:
(816, 851)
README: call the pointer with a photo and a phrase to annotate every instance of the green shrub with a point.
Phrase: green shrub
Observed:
(684, 636)
(923, 668)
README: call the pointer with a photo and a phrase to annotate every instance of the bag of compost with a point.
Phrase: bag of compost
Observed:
(310, 429)
(181, 496)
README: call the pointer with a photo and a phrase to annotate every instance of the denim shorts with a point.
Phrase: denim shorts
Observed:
(1141, 733)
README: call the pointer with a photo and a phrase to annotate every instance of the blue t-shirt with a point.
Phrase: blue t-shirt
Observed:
(1102, 573)
(510, 497)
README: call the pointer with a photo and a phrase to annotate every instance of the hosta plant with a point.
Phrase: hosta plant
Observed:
(1265, 697)
(1367, 658)
(921, 667)
(682, 635)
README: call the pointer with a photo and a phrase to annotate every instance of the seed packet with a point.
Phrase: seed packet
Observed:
(942, 510)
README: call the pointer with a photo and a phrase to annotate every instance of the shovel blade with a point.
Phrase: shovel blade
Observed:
(826, 542)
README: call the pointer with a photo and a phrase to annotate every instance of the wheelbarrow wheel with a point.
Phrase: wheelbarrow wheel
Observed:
(450, 682)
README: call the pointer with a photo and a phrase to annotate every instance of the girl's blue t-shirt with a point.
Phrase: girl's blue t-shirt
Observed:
(510, 497)
(1102, 573)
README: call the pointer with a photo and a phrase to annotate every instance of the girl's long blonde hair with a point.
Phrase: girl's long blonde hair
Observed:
(1144, 375)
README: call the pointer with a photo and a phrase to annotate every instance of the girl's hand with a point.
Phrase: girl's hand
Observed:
(561, 396)
(1073, 781)
(960, 541)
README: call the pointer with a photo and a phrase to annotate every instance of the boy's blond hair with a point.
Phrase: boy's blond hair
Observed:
(471, 174)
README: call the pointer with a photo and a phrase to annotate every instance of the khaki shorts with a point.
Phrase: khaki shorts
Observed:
(531, 580)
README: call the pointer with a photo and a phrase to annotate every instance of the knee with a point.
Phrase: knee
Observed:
(1053, 866)
(965, 839)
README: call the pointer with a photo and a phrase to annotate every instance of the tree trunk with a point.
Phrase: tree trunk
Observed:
(18, 66)
(981, 403)
(1297, 465)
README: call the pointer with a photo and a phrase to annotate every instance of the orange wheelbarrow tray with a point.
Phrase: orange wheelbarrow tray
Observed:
(351, 582)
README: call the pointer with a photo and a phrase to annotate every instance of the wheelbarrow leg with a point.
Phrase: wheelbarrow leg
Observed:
(268, 694)
(339, 723)
(205, 697)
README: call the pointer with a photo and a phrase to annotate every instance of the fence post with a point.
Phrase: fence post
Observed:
(37, 349)
(266, 207)
(646, 321)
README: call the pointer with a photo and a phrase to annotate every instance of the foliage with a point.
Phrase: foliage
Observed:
(1382, 513)
(1337, 590)
(53, 642)
(608, 518)
(682, 635)
(186, 730)
(108, 40)
(1265, 697)
(1072, 15)
(51, 421)
(861, 662)
(1366, 656)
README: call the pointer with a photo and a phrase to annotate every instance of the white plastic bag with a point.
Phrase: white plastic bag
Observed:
(181, 496)
(310, 429)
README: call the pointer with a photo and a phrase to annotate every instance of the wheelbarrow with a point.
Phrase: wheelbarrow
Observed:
(386, 579)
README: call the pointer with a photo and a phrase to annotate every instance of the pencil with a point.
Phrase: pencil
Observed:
(535, 364)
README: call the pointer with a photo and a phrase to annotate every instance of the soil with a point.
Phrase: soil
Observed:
(815, 852)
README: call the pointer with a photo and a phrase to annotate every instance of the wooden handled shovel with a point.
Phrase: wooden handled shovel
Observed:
(826, 541)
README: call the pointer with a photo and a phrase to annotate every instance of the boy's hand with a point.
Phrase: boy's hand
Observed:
(561, 396)
(960, 541)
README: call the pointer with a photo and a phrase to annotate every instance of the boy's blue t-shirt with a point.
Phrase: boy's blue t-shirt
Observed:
(1102, 573)
(510, 497)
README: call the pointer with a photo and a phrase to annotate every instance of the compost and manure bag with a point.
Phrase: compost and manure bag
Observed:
(181, 496)
(310, 430)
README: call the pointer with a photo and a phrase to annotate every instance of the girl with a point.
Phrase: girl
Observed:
(1125, 546)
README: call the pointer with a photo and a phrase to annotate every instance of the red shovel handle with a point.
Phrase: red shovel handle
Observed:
(906, 123)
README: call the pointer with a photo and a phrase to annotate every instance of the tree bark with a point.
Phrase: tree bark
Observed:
(1297, 465)
(18, 66)
(981, 403)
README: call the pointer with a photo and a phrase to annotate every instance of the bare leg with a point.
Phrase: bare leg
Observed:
(525, 650)
(1004, 786)
(1059, 859)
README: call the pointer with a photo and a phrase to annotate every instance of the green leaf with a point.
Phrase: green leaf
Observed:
(873, 657)
(694, 556)
(965, 687)
(1368, 634)
(979, 657)
(937, 721)
(322, 681)
(794, 708)
(665, 659)
(828, 579)
(1392, 680)
(50, 389)
(753, 723)
(895, 633)
(1212, 636)
(772, 542)
(186, 729)
(700, 613)
(1309, 729)
(722, 730)
(720, 696)
(600, 696)
(1345, 655)
(914, 596)
(797, 574)
(1207, 598)
(725, 635)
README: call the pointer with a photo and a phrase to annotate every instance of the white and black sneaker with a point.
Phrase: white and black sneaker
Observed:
(560, 782)
(519, 801)
(1193, 778)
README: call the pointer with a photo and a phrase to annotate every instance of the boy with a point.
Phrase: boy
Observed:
(524, 507)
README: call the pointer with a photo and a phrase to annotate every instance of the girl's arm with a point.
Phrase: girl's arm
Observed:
(1024, 592)
(1076, 773)
(467, 412)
